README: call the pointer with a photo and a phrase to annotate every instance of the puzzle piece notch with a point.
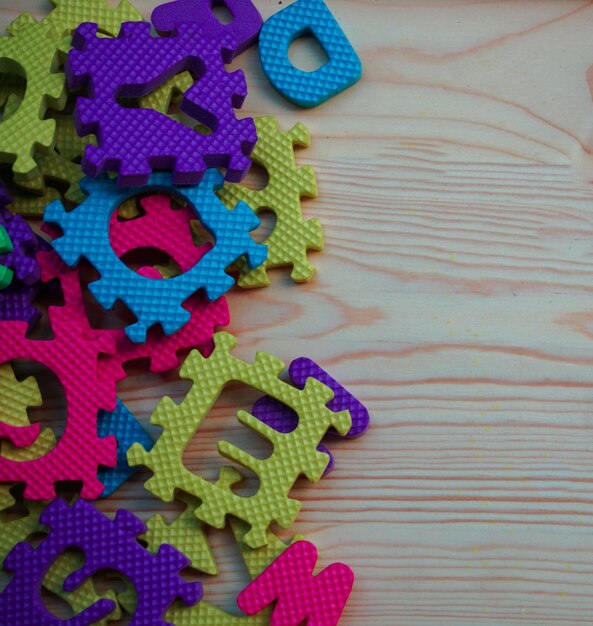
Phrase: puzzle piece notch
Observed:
(299, 596)
(86, 234)
(307, 89)
(111, 65)
(292, 235)
(244, 26)
(107, 545)
(294, 453)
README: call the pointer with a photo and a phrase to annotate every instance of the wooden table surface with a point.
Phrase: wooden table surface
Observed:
(455, 298)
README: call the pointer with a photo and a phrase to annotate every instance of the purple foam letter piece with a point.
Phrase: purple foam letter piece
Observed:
(107, 545)
(134, 141)
(283, 419)
(244, 27)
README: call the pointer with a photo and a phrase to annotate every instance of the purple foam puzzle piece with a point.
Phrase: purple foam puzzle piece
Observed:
(244, 27)
(25, 244)
(133, 141)
(16, 303)
(107, 545)
(283, 419)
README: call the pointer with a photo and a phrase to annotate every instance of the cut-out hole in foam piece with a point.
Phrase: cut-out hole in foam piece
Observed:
(307, 89)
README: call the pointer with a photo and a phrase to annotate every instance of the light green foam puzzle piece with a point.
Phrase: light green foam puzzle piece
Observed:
(292, 236)
(26, 130)
(294, 453)
(186, 533)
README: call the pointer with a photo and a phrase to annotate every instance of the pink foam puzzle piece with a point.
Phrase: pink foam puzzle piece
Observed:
(299, 595)
(20, 436)
(73, 354)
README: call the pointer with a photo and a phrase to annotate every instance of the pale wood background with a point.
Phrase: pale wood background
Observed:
(455, 297)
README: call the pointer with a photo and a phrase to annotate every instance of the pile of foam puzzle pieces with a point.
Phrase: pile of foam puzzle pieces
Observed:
(117, 135)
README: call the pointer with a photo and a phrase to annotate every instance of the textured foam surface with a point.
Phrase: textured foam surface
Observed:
(282, 419)
(86, 234)
(294, 454)
(244, 26)
(292, 236)
(122, 425)
(106, 544)
(299, 595)
(132, 65)
(307, 89)
(72, 354)
(26, 130)
(23, 528)
(185, 532)
(25, 244)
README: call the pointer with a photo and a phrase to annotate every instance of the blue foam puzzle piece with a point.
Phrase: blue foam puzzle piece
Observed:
(127, 430)
(86, 234)
(307, 89)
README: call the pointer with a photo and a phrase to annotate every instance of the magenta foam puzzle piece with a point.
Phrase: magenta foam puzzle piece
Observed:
(25, 243)
(107, 545)
(73, 355)
(133, 141)
(161, 226)
(283, 419)
(244, 26)
(299, 595)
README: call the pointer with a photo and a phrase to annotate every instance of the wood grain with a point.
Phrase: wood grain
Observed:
(455, 297)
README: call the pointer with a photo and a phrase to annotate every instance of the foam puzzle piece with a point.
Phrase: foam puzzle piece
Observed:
(27, 130)
(25, 244)
(133, 64)
(244, 26)
(292, 236)
(73, 355)
(5, 248)
(16, 303)
(69, 14)
(86, 234)
(16, 397)
(23, 528)
(307, 89)
(294, 454)
(299, 596)
(205, 613)
(161, 226)
(29, 204)
(280, 418)
(185, 533)
(122, 425)
(161, 350)
(107, 544)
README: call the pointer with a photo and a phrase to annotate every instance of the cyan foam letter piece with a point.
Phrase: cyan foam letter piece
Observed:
(127, 430)
(307, 89)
